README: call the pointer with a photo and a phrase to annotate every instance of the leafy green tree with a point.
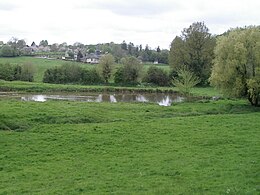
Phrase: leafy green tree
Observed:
(105, 66)
(185, 81)
(193, 49)
(163, 56)
(132, 70)
(236, 70)
(44, 43)
(8, 51)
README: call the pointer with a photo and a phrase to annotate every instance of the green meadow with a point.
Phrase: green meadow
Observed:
(70, 147)
(63, 147)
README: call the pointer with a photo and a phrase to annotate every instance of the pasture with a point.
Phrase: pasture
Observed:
(70, 147)
(64, 147)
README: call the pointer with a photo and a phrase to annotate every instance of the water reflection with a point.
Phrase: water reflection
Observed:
(161, 99)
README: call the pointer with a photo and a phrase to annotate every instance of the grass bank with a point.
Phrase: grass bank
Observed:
(62, 147)
(20, 86)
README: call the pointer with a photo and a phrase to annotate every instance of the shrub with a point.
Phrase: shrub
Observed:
(6, 72)
(71, 73)
(91, 76)
(157, 76)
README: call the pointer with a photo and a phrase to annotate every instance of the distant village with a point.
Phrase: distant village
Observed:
(70, 54)
(83, 53)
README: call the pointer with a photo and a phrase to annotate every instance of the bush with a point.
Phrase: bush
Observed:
(6, 72)
(71, 73)
(157, 76)
(91, 76)
(23, 72)
(254, 91)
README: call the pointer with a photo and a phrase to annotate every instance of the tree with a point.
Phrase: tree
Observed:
(132, 70)
(158, 49)
(194, 50)
(124, 45)
(236, 69)
(21, 44)
(44, 43)
(79, 56)
(8, 51)
(105, 66)
(185, 81)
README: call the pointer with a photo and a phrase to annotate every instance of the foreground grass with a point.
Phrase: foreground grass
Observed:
(62, 147)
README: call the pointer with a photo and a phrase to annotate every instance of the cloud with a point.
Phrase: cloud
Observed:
(135, 8)
(6, 6)
(153, 22)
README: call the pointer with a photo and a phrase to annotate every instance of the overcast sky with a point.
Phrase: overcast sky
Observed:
(152, 22)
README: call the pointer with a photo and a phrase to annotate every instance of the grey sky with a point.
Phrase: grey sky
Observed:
(152, 22)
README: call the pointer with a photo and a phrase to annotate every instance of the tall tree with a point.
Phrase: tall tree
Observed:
(79, 56)
(132, 70)
(158, 49)
(236, 70)
(193, 50)
(21, 43)
(105, 66)
(124, 45)
(44, 43)
(8, 51)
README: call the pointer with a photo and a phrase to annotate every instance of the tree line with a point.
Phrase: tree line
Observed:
(130, 72)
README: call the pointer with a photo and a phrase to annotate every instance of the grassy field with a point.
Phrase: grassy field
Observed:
(62, 147)
(66, 147)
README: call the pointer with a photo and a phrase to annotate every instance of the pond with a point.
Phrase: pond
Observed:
(159, 98)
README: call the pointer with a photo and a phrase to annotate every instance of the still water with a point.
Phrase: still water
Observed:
(159, 98)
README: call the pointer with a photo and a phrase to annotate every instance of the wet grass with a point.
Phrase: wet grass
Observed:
(63, 147)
